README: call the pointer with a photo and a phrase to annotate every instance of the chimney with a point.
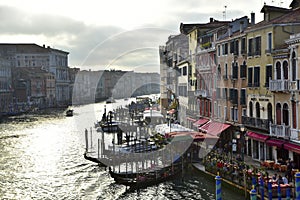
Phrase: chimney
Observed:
(241, 26)
(211, 20)
(229, 30)
(252, 18)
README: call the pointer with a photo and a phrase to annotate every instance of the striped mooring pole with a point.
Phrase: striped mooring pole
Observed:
(253, 194)
(279, 191)
(86, 140)
(297, 184)
(254, 181)
(269, 190)
(288, 193)
(261, 188)
(218, 188)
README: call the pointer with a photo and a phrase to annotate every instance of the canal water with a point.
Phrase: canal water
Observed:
(41, 157)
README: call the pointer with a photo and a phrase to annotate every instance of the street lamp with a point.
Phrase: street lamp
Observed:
(169, 120)
(243, 130)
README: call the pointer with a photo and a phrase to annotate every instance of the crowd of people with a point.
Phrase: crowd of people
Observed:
(233, 168)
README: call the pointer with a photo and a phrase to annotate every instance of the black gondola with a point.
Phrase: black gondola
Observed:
(147, 178)
(69, 113)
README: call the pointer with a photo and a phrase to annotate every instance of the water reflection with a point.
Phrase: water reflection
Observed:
(41, 157)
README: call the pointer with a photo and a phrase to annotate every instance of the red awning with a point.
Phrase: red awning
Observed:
(200, 122)
(172, 111)
(257, 136)
(214, 128)
(292, 147)
(191, 119)
(275, 143)
(197, 136)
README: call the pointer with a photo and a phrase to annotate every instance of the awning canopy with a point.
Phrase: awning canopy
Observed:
(200, 122)
(214, 128)
(197, 136)
(292, 147)
(257, 136)
(172, 111)
(275, 143)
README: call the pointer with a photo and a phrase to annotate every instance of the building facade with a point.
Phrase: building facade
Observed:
(6, 90)
(49, 59)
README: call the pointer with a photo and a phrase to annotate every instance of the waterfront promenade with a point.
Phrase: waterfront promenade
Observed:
(241, 184)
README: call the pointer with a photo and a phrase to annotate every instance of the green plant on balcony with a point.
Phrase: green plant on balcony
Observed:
(206, 45)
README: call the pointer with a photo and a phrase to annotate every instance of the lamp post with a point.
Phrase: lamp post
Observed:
(169, 120)
(243, 130)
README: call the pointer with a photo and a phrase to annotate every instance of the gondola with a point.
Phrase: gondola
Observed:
(69, 113)
(147, 178)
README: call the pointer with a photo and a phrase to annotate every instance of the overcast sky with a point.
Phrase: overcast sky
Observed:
(119, 34)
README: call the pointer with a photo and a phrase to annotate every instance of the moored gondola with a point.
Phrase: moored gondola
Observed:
(147, 178)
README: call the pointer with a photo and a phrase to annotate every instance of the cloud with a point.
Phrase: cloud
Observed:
(95, 45)
(129, 48)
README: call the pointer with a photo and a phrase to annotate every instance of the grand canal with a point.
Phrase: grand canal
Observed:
(41, 157)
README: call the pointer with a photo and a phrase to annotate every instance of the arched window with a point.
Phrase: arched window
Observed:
(278, 70)
(285, 114)
(294, 114)
(294, 66)
(250, 109)
(257, 109)
(270, 112)
(285, 70)
(219, 71)
(278, 114)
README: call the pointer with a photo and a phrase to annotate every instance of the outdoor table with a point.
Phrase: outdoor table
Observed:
(283, 168)
(276, 166)
(268, 163)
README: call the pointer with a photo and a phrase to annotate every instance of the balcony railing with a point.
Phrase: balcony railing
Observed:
(256, 122)
(281, 131)
(295, 85)
(295, 134)
(279, 85)
(202, 93)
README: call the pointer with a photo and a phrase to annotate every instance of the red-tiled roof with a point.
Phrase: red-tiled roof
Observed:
(290, 17)
(186, 28)
(28, 48)
(267, 8)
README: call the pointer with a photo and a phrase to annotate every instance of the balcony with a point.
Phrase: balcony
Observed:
(279, 85)
(281, 131)
(202, 93)
(256, 122)
(295, 85)
(295, 134)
